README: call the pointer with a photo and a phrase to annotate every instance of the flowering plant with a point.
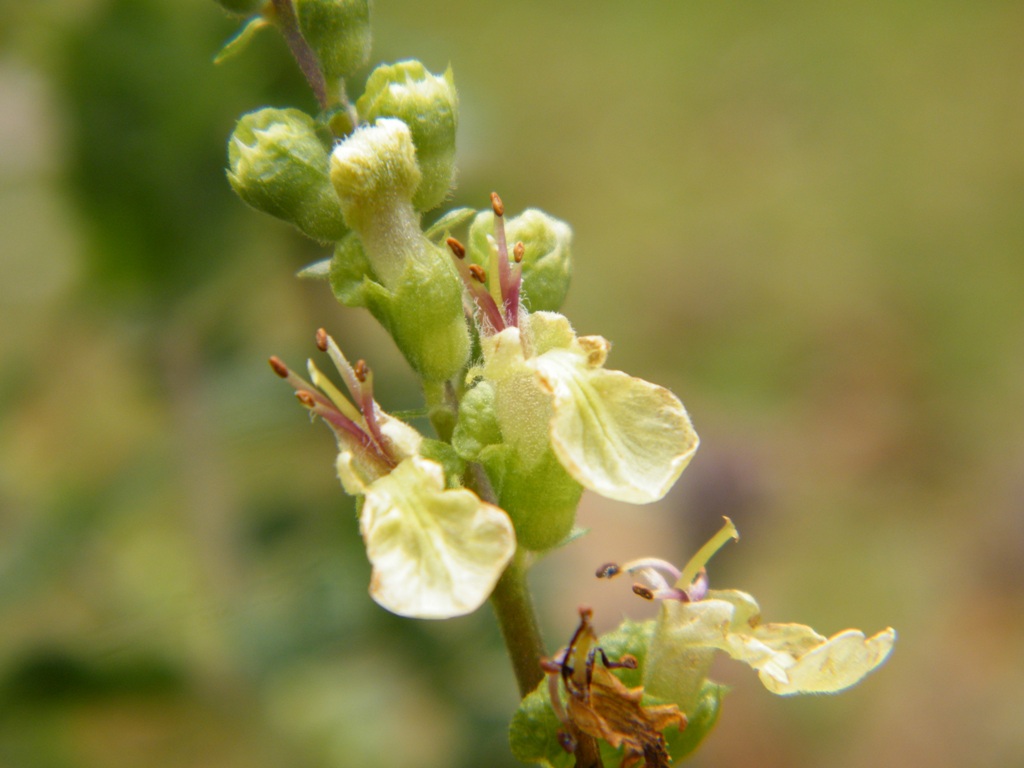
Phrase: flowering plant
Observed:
(526, 416)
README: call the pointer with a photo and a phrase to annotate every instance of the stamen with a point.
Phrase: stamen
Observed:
(642, 591)
(337, 400)
(518, 252)
(297, 382)
(649, 563)
(279, 367)
(497, 206)
(348, 376)
(326, 401)
(668, 593)
(369, 408)
(508, 285)
(608, 571)
(648, 569)
(473, 278)
(456, 247)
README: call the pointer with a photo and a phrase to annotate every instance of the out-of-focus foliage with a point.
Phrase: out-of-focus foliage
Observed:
(804, 218)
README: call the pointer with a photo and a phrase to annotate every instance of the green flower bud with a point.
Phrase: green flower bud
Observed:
(407, 282)
(338, 31)
(546, 262)
(375, 174)
(241, 7)
(278, 165)
(428, 104)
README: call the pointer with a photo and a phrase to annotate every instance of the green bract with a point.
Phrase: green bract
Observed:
(338, 31)
(620, 436)
(547, 260)
(278, 165)
(407, 282)
(429, 105)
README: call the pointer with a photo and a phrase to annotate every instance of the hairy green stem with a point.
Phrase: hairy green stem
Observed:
(518, 622)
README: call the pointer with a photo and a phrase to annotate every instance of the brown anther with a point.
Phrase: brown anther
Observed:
(642, 591)
(305, 398)
(478, 272)
(361, 370)
(497, 205)
(628, 661)
(519, 251)
(607, 571)
(279, 367)
(321, 339)
(457, 248)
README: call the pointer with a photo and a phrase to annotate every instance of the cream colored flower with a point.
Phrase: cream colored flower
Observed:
(620, 436)
(696, 621)
(436, 552)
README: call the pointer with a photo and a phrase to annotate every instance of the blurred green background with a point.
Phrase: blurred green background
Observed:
(807, 218)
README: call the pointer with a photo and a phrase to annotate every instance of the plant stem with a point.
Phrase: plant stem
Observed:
(304, 55)
(518, 622)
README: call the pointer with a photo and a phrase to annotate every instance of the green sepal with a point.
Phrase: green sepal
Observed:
(241, 39)
(700, 720)
(547, 260)
(539, 495)
(477, 427)
(279, 165)
(533, 733)
(338, 31)
(445, 455)
(423, 315)
(541, 498)
(429, 105)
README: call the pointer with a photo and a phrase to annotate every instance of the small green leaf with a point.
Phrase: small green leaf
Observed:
(318, 270)
(452, 220)
(241, 39)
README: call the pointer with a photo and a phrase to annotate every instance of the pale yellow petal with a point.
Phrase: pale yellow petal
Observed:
(435, 552)
(620, 436)
(840, 662)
